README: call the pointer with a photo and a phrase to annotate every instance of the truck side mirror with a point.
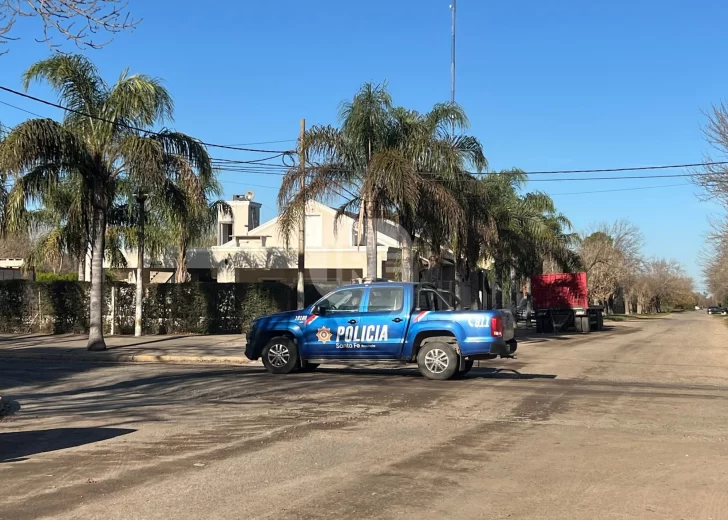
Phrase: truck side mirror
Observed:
(318, 310)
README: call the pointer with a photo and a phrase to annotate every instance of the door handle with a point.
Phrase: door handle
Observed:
(352, 322)
(397, 320)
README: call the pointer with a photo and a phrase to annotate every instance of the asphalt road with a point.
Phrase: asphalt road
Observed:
(629, 423)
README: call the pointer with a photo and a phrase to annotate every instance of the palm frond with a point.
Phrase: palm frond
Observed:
(76, 80)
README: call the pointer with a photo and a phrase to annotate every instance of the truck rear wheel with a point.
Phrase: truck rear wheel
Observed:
(280, 355)
(437, 360)
(582, 324)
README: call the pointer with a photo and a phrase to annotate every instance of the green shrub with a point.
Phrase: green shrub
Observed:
(56, 277)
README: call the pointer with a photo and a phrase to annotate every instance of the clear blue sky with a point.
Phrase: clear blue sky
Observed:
(547, 85)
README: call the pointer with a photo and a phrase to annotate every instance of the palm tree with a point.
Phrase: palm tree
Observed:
(386, 162)
(525, 230)
(104, 140)
(346, 159)
(428, 154)
(189, 213)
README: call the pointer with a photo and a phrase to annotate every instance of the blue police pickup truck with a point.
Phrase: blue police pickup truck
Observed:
(382, 322)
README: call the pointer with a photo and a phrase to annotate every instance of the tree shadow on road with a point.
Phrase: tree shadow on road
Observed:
(17, 446)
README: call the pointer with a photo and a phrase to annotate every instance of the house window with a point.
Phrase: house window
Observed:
(253, 217)
(226, 233)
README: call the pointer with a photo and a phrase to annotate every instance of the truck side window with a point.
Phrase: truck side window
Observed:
(426, 301)
(347, 300)
(385, 299)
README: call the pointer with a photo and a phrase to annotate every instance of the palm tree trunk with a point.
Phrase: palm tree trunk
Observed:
(96, 314)
(407, 266)
(514, 290)
(498, 287)
(139, 295)
(81, 267)
(180, 275)
(371, 239)
(475, 301)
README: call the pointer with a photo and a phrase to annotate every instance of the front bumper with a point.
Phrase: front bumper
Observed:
(249, 344)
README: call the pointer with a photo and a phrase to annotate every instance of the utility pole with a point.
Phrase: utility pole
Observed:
(453, 7)
(302, 224)
(141, 198)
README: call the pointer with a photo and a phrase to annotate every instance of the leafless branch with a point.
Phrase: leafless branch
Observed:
(79, 21)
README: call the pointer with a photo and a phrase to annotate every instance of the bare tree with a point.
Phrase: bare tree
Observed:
(664, 282)
(79, 21)
(714, 260)
(713, 178)
(610, 254)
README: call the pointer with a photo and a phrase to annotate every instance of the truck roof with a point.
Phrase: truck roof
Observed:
(380, 283)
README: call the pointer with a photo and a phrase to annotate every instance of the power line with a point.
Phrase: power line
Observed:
(265, 142)
(283, 153)
(561, 179)
(56, 105)
(544, 172)
(627, 169)
(620, 189)
(21, 109)
(260, 171)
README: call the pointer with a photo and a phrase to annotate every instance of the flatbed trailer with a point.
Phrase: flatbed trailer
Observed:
(560, 302)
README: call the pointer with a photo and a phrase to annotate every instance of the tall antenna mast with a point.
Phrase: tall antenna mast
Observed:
(453, 7)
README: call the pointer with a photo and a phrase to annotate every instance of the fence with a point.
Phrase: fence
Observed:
(191, 308)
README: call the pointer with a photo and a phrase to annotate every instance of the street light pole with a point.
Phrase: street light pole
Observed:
(141, 198)
(300, 282)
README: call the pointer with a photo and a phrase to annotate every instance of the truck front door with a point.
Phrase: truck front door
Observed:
(340, 309)
(383, 323)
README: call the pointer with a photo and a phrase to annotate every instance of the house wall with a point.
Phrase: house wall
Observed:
(262, 251)
(335, 234)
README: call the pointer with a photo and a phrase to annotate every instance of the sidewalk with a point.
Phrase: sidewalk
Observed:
(220, 349)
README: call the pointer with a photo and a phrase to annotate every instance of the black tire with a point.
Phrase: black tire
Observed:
(280, 355)
(583, 324)
(309, 367)
(539, 325)
(438, 360)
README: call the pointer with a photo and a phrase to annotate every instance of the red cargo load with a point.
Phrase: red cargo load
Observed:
(559, 291)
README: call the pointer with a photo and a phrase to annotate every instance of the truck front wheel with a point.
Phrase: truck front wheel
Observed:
(280, 355)
(437, 360)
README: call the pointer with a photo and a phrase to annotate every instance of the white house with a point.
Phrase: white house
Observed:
(248, 251)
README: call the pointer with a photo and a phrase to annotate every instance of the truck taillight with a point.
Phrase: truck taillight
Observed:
(496, 327)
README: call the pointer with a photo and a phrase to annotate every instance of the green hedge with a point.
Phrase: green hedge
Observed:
(211, 308)
(57, 307)
(60, 307)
